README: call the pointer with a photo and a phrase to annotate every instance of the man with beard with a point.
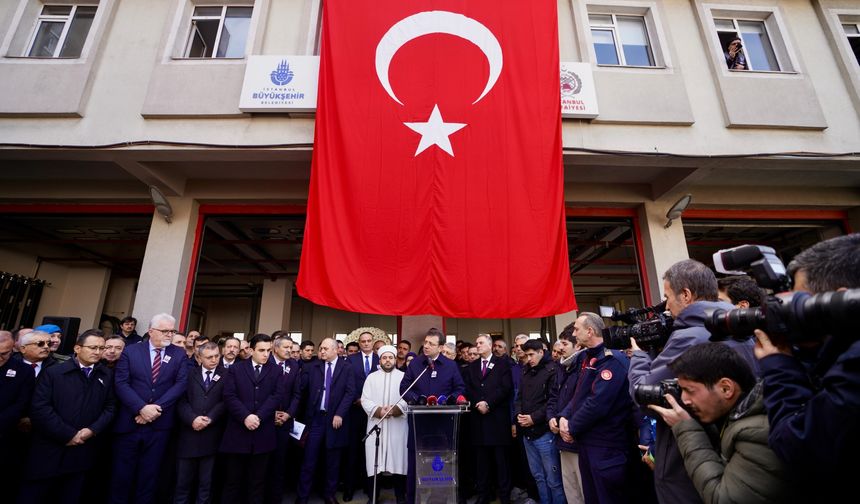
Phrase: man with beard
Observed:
(229, 352)
(381, 390)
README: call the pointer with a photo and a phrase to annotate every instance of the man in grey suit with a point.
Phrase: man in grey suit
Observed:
(201, 414)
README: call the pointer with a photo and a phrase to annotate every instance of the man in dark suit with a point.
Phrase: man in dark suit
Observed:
(441, 378)
(72, 403)
(364, 362)
(201, 418)
(328, 389)
(253, 391)
(489, 387)
(16, 388)
(284, 414)
(150, 378)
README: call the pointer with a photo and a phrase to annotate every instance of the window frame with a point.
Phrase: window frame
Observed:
(67, 20)
(614, 28)
(776, 29)
(848, 36)
(222, 19)
(737, 32)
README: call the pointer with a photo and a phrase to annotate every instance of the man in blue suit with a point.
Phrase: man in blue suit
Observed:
(252, 393)
(284, 414)
(150, 378)
(328, 388)
(73, 403)
(364, 362)
(441, 378)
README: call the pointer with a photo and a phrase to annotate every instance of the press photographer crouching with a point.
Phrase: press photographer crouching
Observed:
(690, 289)
(812, 389)
(720, 391)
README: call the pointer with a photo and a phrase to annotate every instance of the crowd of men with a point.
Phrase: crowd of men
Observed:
(166, 416)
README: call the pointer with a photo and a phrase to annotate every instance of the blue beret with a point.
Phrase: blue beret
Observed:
(48, 328)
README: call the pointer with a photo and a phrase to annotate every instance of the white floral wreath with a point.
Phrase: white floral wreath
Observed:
(378, 335)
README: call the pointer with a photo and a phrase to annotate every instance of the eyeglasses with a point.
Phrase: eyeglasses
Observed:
(94, 348)
(40, 344)
(170, 332)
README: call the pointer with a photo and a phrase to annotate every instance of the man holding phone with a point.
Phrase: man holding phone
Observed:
(734, 54)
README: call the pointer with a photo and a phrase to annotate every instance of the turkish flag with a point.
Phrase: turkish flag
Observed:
(436, 182)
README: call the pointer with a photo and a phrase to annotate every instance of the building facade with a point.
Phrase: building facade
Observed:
(100, 100)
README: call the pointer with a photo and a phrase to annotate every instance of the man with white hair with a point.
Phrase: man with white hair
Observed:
(35, 347)
(150, 378)
(378, 398)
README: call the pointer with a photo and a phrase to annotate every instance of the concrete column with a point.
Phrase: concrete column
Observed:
(562, 320)
(854, 219)
(164, 276)
(84, 295)
(414, 328)
(275, 306)
(663, 247)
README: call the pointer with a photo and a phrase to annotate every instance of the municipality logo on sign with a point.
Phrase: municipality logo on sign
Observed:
(282, 75)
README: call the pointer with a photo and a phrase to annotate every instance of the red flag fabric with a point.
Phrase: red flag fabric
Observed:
(436, 181)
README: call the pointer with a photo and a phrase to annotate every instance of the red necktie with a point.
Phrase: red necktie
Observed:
(483, 368)
(156, 364)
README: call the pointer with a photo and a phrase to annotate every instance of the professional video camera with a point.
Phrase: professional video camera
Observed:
(649, 326)
(654, 394)
(787, 317)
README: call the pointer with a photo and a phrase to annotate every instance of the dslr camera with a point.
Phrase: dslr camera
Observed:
(649, 326)
(654, 394)
(787, 317)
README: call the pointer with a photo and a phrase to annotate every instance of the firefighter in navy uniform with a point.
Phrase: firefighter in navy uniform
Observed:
(599, 414)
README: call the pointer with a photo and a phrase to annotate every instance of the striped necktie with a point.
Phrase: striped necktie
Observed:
(156, 364)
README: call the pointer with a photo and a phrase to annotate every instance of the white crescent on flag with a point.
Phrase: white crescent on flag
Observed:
(425, 23)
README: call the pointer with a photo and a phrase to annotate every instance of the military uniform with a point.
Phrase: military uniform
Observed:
(599, 416)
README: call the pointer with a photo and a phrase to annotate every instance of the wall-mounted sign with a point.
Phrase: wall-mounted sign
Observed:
(289, 84)
(578, 96)
(280, 84)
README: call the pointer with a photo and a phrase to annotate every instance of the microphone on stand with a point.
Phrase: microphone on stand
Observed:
(431, 401)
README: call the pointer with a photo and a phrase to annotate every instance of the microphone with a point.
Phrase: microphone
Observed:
(422, 400)
(442, 400)
(431, 400)
(451, 400)
(461, 400)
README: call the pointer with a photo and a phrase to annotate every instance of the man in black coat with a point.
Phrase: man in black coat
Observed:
(363, 362)
(284, 414)
(253, 391)
(489, 387)
(16, 388)
(73, 402)
(201, 417)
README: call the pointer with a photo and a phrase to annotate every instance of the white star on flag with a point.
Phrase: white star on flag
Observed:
(435, 132)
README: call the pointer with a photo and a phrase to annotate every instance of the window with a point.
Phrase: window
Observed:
(340, 336)
(756, 46)
(852, 31)
(61, 31)
(296, 337)
(621, 40)
(218, 32)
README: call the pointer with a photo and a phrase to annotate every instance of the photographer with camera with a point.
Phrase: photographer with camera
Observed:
(812, 391)
(690, 289)
(720, 391)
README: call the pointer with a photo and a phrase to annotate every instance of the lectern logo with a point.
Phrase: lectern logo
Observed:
(282, 75)
(438, 465)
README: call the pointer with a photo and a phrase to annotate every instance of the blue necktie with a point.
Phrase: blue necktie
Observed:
(366, 365)
(208, 381)
(327, 387)
(257, 371)
(87, 371)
